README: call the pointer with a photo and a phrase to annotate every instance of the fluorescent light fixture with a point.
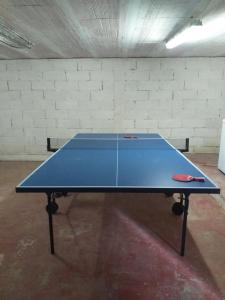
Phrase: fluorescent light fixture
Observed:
(188, 35)
(198, 32)
(11, 38)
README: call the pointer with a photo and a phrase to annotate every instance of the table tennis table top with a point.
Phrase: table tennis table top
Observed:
(116, 162)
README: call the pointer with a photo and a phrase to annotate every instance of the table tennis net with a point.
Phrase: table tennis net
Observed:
(53, 144)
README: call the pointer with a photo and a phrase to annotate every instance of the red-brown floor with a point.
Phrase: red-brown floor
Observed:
(110, 246)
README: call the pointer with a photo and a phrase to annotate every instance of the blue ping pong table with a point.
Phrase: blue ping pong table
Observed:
(139, 163)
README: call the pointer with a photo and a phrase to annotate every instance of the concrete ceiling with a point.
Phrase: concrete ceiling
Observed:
(107, 28)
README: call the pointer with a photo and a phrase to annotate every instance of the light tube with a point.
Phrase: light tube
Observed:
(196, 33)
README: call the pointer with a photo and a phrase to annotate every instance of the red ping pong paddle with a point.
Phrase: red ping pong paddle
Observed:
(187, 178)
(130, 137)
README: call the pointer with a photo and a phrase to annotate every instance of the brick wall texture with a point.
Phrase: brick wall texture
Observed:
(176, 97)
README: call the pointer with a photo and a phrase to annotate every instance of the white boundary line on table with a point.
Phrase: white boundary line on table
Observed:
(117, 138)
(114, 186)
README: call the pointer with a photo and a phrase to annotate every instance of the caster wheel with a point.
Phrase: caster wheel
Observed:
(53, 207)
(169, 194)
(177, 208)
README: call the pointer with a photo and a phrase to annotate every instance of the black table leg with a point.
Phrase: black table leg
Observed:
(181, 198)
(51, 234)
(184, 227)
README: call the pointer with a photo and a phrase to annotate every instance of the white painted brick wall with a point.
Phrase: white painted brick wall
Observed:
(177, 97)
(19, 65)
(151, 64)
(21, 85)
(137, 75)
(66, 85)
(162, 75)
(42, 85)
(89, 64)
(29, 75)
(119, 65)
(90, 85)
(153, 124)
(78, 75)
(9, 75)
(103, 75)
(3, 85)
(54, 75)
(2, 65)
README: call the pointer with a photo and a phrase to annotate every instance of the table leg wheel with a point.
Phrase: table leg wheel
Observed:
(52, 208)
(177, 208)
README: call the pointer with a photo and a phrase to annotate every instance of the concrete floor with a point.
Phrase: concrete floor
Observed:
(110, 246)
